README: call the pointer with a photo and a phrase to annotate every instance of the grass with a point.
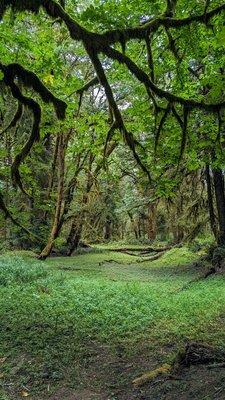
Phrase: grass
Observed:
(53, 313)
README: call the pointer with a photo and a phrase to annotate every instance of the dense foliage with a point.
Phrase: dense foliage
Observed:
(139, 151)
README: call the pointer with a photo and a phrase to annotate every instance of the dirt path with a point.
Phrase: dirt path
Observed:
(108, 376)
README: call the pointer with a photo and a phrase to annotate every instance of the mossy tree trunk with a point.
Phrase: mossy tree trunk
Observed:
(212, 217)
(152, 224)
(75, 234)
(59, 203)
(218, 180)
(74, 237)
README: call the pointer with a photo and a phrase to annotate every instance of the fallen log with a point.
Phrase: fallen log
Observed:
(153, 258)
(141, 249)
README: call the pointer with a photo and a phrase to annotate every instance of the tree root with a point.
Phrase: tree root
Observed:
(149, 376)
(217, 259)
(193, 354)
(199, 353)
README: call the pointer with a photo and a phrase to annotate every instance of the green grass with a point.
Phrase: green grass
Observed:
(16, 270)
(51, 312)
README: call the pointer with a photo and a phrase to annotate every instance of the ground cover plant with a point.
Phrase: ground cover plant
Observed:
(68, 325)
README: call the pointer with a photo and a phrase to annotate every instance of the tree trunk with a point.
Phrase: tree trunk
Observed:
(56, 222)
(52, 173)
(77, 225)
(218, 180)
(107, 229)
(151, 227)
(74, 237)
(212, 218)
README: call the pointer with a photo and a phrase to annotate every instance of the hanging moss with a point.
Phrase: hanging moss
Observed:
(19, 5)
(29, 80)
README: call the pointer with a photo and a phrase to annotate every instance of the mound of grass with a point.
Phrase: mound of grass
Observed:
(178, 256)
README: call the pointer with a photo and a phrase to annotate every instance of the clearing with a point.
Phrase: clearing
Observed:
(82, 328)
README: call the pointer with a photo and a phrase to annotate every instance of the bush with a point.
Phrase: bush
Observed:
(17, 270)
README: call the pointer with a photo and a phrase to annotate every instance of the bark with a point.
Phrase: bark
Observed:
(61, 174)
(107, 229)
(52, 173)
(218, 180)
(212, 217)
(65, 196)
(152, 226)
(78, 222)
(139, 227)
(74, 237)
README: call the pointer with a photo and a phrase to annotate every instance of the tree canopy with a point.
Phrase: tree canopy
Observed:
(138, 93)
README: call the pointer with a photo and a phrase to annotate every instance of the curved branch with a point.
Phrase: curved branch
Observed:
(94, 81)
(34, 136)
(144, 78)
(29, 80)
(128, 136)
(100, 41)
(77, 32)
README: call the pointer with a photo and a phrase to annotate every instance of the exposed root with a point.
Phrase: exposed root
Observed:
(193, 354)
(149, 376)
(215, 256)
(199, 353)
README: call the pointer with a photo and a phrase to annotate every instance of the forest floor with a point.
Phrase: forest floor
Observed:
(83, 328)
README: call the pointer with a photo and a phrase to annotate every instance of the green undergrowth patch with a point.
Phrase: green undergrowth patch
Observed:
(51, 312)
(178, 256)
(19, 270)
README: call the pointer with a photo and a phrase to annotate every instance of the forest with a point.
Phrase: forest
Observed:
(112, 199)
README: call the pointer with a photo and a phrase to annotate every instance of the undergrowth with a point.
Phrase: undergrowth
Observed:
(51, 312)
(18, 270)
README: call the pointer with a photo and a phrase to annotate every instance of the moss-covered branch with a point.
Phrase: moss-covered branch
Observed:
(13, 72)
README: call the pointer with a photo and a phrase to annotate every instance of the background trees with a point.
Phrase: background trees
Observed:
(148, 75)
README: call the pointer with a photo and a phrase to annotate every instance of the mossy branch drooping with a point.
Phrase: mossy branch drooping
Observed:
(13, 72)
(96, 43)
